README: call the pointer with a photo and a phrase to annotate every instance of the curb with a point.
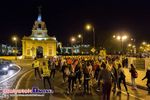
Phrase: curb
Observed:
(11, 75)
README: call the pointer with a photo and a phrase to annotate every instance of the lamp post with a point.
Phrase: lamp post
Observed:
(121, 38)
(80, 37)
(131, 48)
(73, 39)
(90, 27)
(15, 40)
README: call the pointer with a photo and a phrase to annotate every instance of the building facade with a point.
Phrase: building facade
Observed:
(39, 43)
(6, 50)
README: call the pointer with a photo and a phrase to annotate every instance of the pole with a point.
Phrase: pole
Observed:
(93, 37)
(94, 41)
(72, 48)
(122, 46)
(82, 38)
(16, 50)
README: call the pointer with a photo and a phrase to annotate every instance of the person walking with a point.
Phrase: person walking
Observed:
(121, 78)
(147, 76)
(133, 76)
(36, 65)
(45, 74)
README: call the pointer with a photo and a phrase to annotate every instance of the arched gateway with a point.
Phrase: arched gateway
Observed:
(39, 44)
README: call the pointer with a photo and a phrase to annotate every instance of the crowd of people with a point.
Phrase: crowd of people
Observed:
(84, 72)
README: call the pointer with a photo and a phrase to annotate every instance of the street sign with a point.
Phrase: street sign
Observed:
(93, 50)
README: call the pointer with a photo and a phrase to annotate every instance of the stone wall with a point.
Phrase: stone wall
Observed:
(140, 63)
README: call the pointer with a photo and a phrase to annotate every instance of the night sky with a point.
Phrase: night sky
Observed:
(65, 18)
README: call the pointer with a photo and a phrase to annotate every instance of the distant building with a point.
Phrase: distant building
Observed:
(6, 50)
(39, 44)
(77, 49)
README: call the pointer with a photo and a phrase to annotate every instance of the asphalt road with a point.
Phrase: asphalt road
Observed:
(27, 81)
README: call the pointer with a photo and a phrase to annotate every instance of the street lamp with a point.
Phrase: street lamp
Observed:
(143, 43)
(73, 39)
(132, 48)
(15, 40)
(90, 27)
(80, 37)
(114, 36)
(121, 38)
(129, 45)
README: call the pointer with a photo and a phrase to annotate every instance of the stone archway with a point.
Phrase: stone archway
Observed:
(39, 43)
(39, 52)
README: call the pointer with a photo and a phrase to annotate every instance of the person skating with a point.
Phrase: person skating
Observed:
(36, 65)
(64, 66)
(106, 76)
(87, 71)
(78, 74)
(99, 78)
(115, 78)
(133, 76)
(71, 79)
(45, 74)
(148, 79)
(121, 78)
(53, 69)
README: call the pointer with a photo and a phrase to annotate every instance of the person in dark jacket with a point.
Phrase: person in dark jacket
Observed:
(106, 76)
(53, 69)
(121, 78)
(87, 76)
(64, 66)
(148, 79)
(115, 78)
(71, 78)
(78, 74)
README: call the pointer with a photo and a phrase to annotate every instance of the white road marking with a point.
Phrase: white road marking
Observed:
(133, 96)
(19, 81)
(12, 75)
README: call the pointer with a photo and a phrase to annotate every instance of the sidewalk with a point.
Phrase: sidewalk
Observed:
(140, 84)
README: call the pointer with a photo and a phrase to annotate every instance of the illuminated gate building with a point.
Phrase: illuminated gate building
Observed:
(38, 44)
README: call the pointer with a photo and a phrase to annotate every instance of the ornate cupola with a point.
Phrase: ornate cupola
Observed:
(39, 30)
